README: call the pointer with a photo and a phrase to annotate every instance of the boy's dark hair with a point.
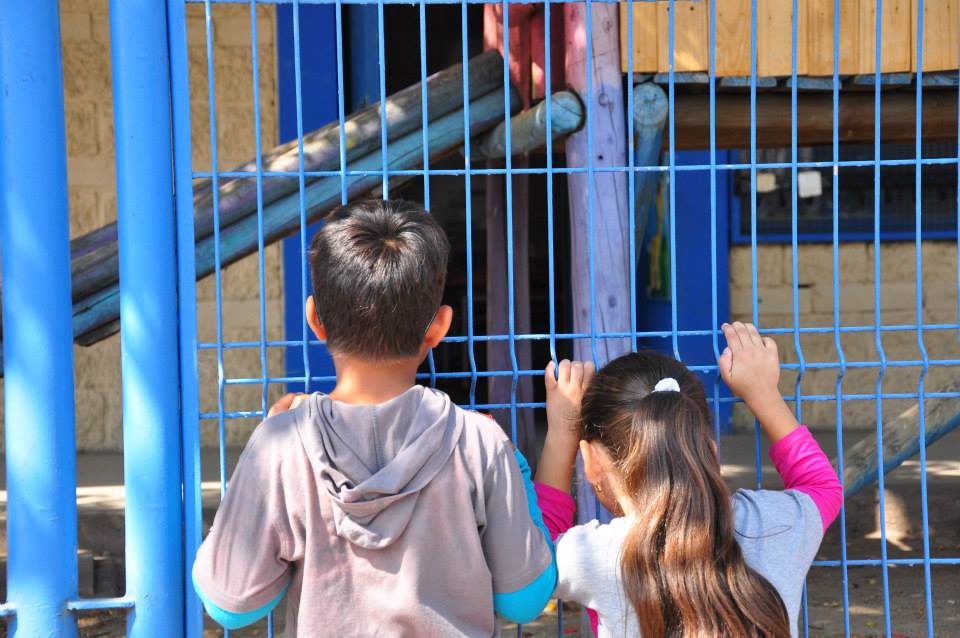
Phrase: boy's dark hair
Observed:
(378, 273)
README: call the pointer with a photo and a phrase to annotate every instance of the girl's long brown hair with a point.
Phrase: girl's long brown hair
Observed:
(682, 570)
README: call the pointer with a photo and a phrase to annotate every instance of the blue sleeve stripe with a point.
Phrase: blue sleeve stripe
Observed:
(524, 605)
(232, 619)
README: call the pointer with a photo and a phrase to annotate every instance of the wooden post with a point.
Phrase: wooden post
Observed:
(498, 352)
(609, 305)
(609, 216)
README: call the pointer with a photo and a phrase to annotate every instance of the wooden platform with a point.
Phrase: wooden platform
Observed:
(814, 35)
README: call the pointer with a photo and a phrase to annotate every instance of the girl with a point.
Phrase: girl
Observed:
(684, 558)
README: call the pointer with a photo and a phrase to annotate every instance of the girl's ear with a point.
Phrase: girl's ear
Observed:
(593, 465)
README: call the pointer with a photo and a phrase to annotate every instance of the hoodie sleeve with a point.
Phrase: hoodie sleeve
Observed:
(241, 566)
(516, 549)
(524, 605)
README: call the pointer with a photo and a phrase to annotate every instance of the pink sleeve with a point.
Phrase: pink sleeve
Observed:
(558, 508)
(804, 467)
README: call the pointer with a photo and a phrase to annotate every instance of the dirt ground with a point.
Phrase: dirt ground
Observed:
(101, 526)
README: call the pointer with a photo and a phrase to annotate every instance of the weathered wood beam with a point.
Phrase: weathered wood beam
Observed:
(528, 129)
(96, 314)
(901, 441)
(814, 118)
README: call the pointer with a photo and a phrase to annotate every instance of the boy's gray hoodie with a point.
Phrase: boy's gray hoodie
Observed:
(396, 519)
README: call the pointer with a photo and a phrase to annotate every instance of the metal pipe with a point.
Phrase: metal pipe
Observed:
(38, 344)
(148, 317)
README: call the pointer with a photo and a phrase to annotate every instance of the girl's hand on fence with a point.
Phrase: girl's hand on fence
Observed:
(750, 366)
(288, 401)
(565, 384)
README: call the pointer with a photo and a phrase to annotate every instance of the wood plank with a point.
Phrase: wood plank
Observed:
(896, 34)
(820, 34)
(775, 38)
(692, 52)
(732, 38)
(941, 22)
(814, 118)
(645, 53)
(901, 440)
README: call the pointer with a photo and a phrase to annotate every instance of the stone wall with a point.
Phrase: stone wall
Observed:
(815, 303)
(92, 190)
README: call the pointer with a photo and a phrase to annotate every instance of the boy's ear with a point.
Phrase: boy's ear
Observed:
(313, 319)
(439, 327)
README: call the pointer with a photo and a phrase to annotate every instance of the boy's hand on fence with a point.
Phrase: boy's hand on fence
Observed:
(288, 401)
(750, 364)
(566, 384)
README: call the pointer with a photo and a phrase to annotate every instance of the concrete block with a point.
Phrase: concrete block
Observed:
(90, 411)
(83, 209)
(105, 128)
(860, 297)
(196, 30)
(101, 28)
(86, 69)
(772, 263)
(940, 296)
(98, 366)
(81, 120)
(91, 171)
(74, 25)
(92, 6)
(814, 264)
(233, 28)
(855, 266)
(107, 205)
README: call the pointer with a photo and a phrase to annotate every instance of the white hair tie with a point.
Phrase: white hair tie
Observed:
(667, 384)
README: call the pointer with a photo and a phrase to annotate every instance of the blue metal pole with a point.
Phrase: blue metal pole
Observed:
(148, 316)
(37, 330)
(187, 295)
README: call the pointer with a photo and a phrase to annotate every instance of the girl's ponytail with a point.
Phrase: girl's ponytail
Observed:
(682, 570)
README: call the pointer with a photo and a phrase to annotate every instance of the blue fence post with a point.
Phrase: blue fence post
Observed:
(37, 329)
(148, 316)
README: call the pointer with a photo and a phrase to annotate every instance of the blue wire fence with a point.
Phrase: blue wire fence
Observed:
(164, 462)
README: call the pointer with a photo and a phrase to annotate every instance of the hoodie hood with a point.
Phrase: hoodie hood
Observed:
(374, 460)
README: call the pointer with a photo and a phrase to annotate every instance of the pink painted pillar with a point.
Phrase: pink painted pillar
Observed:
(498, 352)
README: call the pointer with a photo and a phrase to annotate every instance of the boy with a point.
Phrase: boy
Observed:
(380, 509)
